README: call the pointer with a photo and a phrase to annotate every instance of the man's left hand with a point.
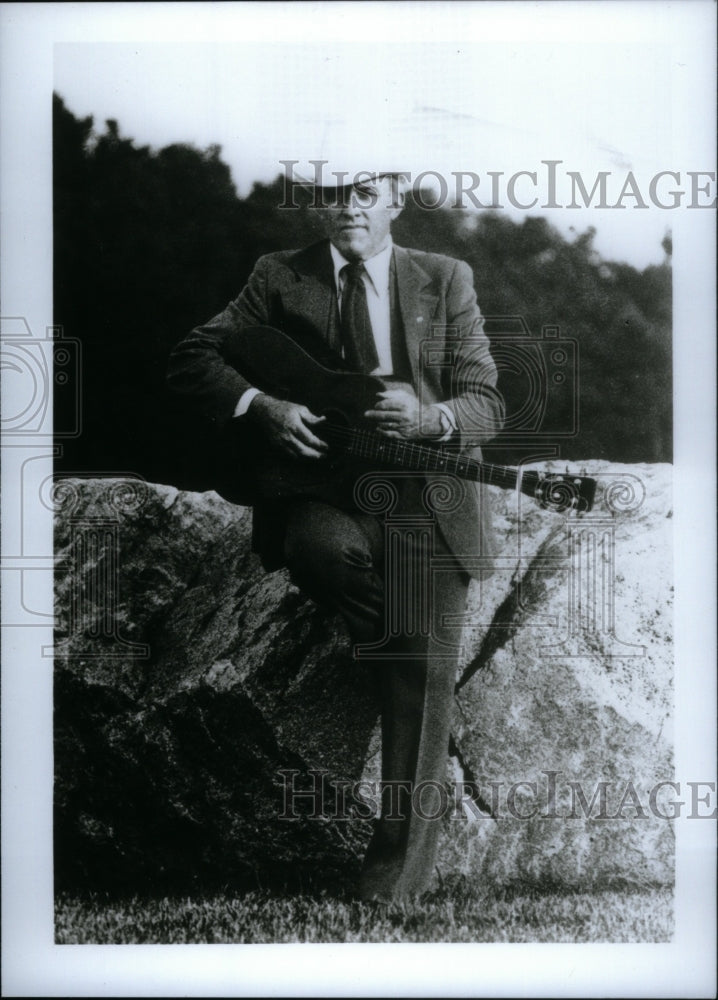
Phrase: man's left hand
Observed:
(397, 414)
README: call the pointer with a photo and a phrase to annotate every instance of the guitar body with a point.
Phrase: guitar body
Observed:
(281, 367)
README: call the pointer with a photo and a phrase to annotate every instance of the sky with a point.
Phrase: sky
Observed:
(443, 104)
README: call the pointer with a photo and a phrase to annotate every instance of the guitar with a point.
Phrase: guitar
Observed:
(280, 366)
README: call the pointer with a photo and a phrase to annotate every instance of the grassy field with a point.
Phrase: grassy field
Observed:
(256, 918)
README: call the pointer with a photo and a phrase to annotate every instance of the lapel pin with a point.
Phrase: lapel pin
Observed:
(419, 319)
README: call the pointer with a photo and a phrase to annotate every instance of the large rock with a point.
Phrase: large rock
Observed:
(568, 693)
(187, 680)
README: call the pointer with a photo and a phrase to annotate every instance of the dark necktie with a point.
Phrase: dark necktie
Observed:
(357, 337)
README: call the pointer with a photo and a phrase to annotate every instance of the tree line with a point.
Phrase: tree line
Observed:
(149, 243)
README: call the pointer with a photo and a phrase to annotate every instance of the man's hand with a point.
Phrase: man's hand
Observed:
(288, 426)
(397, 414)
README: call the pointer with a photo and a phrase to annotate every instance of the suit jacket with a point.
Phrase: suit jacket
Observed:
(446, 346)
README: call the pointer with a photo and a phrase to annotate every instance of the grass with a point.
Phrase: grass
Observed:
(260, 917)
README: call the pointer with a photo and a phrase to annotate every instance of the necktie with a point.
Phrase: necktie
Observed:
(356, 331)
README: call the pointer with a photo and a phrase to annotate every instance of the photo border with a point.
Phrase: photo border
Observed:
(32, 964)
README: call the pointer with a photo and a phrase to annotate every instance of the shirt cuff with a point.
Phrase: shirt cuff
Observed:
(244, 400)
(448, 421)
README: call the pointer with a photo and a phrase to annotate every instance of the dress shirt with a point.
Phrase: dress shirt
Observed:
(378, 300)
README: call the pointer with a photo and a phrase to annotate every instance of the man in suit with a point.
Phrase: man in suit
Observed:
(374, 304)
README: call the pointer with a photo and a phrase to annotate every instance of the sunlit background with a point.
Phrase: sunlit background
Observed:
(440, 106)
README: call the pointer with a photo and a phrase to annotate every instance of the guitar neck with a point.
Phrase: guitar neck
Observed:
(280, 366)
(417, 457)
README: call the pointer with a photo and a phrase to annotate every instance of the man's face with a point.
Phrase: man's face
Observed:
(358, 219)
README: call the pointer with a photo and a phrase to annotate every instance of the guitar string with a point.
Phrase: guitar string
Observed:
(368, 444)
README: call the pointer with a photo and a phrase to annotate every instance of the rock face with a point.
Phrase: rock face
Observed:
(186, 680)
(192, 691)
(568, 694)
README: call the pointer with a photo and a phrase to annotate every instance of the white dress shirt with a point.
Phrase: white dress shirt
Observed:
(378, 300)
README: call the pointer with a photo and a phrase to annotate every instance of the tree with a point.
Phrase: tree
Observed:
(149, 243)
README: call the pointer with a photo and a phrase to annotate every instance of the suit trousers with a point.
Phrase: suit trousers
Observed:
(394, 603)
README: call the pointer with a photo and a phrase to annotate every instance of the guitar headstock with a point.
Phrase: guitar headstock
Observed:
(561, 491)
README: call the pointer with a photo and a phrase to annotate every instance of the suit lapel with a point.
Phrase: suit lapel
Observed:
(313, 298)
(416, 304)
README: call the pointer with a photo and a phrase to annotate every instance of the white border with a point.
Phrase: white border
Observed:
(32, 965)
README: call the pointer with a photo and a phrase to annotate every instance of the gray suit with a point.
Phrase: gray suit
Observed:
(336, 555)
(434, 297)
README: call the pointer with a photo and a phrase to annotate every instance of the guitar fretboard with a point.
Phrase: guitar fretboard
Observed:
(567, 492)
(369, 445)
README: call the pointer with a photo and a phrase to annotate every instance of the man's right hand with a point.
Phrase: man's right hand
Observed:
(288, 426)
